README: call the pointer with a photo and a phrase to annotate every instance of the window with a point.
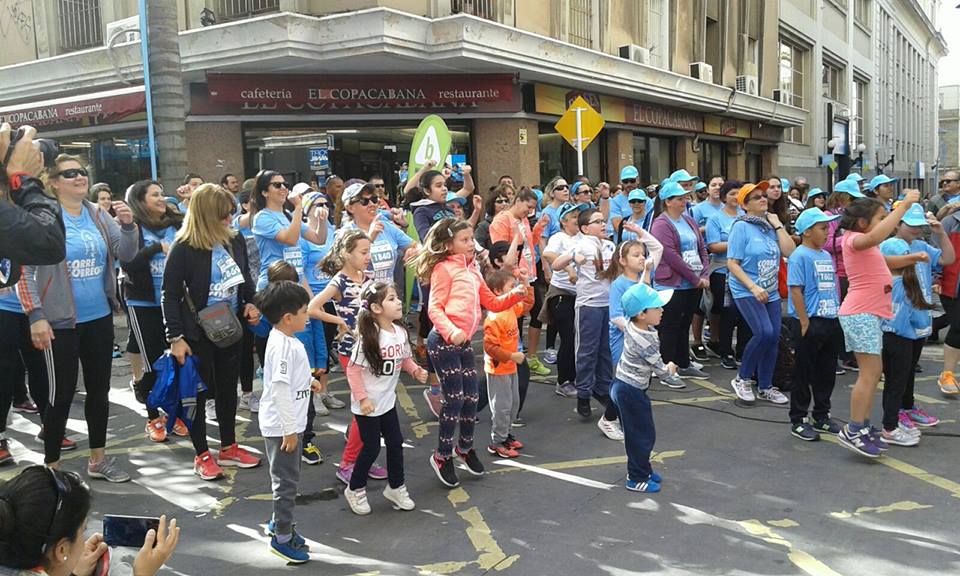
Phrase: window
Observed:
(658, 32)
(580, 29)
(750, 39)
(238, 9)
(792, 67)
(861, 12)
(832, 82)
(713, 38)
(858, 128)
(80, 25)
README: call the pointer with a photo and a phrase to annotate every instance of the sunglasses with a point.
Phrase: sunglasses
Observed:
(582, 190)
(62, 481)
(379, 185)
(638, 202)
(561, 187)
(502, 200)
(629, 181)
(71, 173)
(601, 221)
(278, 185)
(365, 201)
(759, 197)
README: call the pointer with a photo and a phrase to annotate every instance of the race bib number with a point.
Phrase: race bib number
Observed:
(692, 259)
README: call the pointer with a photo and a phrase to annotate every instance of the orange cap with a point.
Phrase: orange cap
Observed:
(746, 189)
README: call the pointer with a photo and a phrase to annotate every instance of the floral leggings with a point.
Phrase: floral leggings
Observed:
(457, 371)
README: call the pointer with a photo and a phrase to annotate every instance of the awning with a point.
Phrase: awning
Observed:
(80, 111)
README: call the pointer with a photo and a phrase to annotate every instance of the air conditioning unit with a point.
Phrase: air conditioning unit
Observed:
(748, 83)
(123, 31)
(702, 71)
(635, 53)
(783, 97)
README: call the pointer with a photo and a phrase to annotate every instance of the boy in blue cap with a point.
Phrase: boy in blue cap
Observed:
(640, 360)
(812, 308)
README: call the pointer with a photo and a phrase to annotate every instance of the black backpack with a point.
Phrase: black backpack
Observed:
(786, 360)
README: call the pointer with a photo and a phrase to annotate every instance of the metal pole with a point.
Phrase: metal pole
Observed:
(145, 57)
(579, 142)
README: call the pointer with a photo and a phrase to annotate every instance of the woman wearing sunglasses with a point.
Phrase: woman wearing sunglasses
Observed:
(43, 518)
(70, 307)
(498, 201)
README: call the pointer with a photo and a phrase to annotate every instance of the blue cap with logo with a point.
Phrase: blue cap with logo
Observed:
(671, 189)
(855, 177)
(784, 184)
(700, 186)
(636, 194)
(629, 173)
(812, 216)
(815, 192)
(452, 197)
(915, 216)
(568, 207)
(641, 297)
(850, 187)
(879, 180)
(682, 175)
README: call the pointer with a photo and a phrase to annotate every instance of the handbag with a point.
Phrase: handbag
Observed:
(218, 321)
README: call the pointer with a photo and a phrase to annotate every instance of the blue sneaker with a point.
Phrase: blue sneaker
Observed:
(656, 478)
(298, 541)
(858, 441)
(644, 486)
(289, 551)
(877, 439)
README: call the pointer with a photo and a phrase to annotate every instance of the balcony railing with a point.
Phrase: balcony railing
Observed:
(480, 8)
(239, 9)
(80, 25)
(580, 30)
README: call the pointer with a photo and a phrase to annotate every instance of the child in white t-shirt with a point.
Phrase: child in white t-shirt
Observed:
(283, 409)
(381, 351)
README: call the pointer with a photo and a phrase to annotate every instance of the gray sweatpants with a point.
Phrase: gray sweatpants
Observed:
(504, 394)
(284, 477)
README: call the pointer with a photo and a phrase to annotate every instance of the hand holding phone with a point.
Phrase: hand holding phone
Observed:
(127, 531)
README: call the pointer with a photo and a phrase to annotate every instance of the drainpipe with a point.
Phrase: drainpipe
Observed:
(145, 57)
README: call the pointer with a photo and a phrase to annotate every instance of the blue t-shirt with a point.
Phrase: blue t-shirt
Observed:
(86, 263)
(718, 230)
(689, 249)
(813, 270)
(703, 211)
(908, 322)
(312, 255)
(618, 288)
(554, 226)
(245, 230)
(157, 263)
(759, 255)
(385, 250)
(225, 277)
(646, 222)
(266, 225)
(9, 301)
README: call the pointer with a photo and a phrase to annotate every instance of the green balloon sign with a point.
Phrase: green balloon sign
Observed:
(431, 142)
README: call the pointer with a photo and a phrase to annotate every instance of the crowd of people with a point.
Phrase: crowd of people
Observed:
(637, 284)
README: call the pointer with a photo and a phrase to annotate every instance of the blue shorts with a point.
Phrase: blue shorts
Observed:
(862, 333)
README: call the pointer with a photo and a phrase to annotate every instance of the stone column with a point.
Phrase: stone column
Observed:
(619, 153)
(215, 149)
(505, 146)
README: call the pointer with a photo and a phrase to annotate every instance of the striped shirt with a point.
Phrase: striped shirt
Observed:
(640, 358)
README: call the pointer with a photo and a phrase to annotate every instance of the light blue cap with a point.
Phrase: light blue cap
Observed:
(671, 189)
(815, 192)
(855, 177)
(915, 216)
(641, 297)
(629, 172)
(452, 197)
(812, 216)
(785, 184)
(636, 194)
(850, 187)
(879, 180)
(700, 186)
(568, 207)
(682, 175)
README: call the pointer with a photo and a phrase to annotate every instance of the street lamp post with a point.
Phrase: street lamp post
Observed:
(831, 144)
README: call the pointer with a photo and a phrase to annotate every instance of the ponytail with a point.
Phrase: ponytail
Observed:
(913, 290)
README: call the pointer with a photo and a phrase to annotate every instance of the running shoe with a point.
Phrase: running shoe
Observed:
(610, 429)
(244, 403)
(644, 486)
(470, 458)
(234, 455)
(699, 353)
(502, 451)
(536, 367)
(206, 467)
(518, 422)
(804, 432)
(840, 371)
(673, 381)
(66, 445)
(289, 552)
(692, 372)
(550, 356)
(156, 429)
(332, 402)
(583, 407)
(311, 454)
(5, 456)
(298, 540)
(320, 408)
(211, 409)
(25, 407)
(773, 395)
(728, 363)
(377, 472)
(899, 437)
(180, 429)
(445, 470)
(513, 442)
(877, 438)
(567, 390)
(743, 389)
(434, 402)
(344, 472)
(828, 425)
(400, 497)
(357, 499)
(859, 441)
(921, 418)
(850, 365)
(254, 403)
(948, 383)
(107, 469)
(907, 425)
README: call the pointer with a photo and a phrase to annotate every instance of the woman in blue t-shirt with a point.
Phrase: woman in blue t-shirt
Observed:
(158, 222)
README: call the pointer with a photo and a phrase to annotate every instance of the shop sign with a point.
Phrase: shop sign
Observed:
(731, 127)
(319, 159)
(770, 132)
(286, 94)
(78, 112)
(670, 118)
(555, 100)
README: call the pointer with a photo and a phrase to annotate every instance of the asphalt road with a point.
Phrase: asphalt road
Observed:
(740, 495)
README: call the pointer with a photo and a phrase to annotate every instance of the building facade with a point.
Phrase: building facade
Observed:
(949, 151)
(321, 87)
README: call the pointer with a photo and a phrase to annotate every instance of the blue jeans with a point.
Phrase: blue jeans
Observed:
(594, 366)
(760, 355)
(639, 432)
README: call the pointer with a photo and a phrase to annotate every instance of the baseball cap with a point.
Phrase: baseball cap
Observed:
(812, 216)
(700, 186)
(815, 192)
(671, 189)
(568, 207)
(784, 184)
(682, 175)
(300, 189)
(351, 192)
(746, 189)
(309, 200)
(629, 172)
(641, 297)
(452, 197)
(850, 187)
(879, 180)
(915, 216)
(637, 194)
(855, 177)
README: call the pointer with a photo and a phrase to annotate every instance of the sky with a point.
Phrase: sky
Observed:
(949, 24)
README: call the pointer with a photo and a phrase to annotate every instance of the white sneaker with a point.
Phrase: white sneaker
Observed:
(611, 430)
(550, 356)
(899, 437)
(400, 497)
(211, 409)
(358, 501)
(254, 403)
(319, 406)
(743, 389)
(696, 364)
(772, 395)
(332, 402)
(911, 431)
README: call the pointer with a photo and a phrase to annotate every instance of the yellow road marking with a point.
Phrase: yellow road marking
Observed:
(713, 387)
(785, 523)
(419, 427)
(491, 555)
(903, 506)
(694, 400)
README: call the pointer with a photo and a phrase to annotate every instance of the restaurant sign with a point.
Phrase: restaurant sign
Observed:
(555, 100)
(79, 111)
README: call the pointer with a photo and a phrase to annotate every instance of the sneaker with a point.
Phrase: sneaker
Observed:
(320, 407)
(26, 407)
(156, 429)
(502, 450)
(850, 365)
(66, 445)
(610, 429)
(470, 458)
(445, 470)
(234, 455)
(400, 497)
(840, 371)
(206, 467)
(899, 437)
(536, 367)
(858, 441)
(644, 486)
(695, 364)
(116, 352)
(311, 454)
(434, 402)
(921, 418)
(297, 540)
(728, 363)
(714, 349)
(550, 356)
(673, 381)
(513, 442)
(357, 500)
(698, 352)
(804, 432)
(289, 552)
(5, 455)
(918, 369)
(877, 439)
(332, 402)
(692, 372)
(948, 383)
(180, 429)
(344, 472)
(254, 403)
(773, 395)
(567, 390)
(377, 472)
(828, 425)
(108, 470)
(907, 425)
(518, 422)
(743, 389)
(583, 407)
(211, 409)
(244, 403)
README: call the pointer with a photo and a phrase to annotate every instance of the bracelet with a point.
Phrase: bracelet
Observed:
(174, 339)
(778, 228)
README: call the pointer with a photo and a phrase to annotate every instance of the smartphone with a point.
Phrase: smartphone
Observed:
(127, 531)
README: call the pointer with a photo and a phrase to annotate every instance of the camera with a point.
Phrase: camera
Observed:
(49, 148)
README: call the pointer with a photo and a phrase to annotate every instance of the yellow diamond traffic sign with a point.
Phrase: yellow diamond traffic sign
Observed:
(591, 123)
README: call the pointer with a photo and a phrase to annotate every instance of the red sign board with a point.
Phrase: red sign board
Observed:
(282, 94)
(105, 108)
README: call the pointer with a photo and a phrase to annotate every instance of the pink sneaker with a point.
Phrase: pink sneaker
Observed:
(921, 418)
(377, 472)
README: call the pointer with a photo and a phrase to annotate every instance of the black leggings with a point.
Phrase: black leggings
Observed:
(372, 428)
(675, 326)
(723, 335)
(17, 352)
(219, 369)
(900, 357)
(146, 330)
(247, 366)
(562, 317)
(92, 344)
